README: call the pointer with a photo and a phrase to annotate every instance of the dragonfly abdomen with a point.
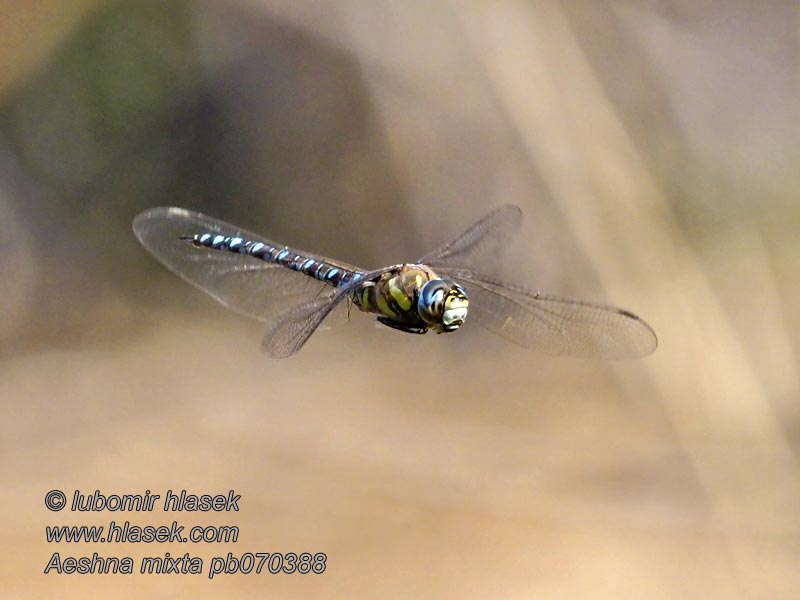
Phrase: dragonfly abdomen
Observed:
(286, 257)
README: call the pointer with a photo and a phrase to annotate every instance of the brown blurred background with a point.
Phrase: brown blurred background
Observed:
(653, 147)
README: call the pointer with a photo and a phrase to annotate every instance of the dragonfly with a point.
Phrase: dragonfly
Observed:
(294, 291)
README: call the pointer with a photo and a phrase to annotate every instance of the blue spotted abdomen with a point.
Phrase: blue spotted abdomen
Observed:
(333, 275)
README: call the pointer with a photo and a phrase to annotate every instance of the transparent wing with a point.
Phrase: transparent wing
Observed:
(290, 331)
(243, 283)
(553, 325)
(481, 245)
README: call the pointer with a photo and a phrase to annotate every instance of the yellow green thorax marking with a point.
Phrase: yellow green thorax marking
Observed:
(365, 295)
(383, 306)
(399, 294)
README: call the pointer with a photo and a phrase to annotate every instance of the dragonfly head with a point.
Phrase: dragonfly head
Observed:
(442, 304)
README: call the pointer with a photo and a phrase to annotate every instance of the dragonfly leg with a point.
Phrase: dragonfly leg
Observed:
(402, 326)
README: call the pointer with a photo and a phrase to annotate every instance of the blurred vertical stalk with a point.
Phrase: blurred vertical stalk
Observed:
(623, 222)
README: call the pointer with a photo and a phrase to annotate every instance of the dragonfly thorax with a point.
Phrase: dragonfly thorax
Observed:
(412, 298)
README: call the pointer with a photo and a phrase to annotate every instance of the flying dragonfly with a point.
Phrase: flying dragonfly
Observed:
(295, 291)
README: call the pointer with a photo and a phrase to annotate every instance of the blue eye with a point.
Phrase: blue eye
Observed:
(431, 300)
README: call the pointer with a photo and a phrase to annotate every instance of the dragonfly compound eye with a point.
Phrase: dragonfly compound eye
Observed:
(431, 300)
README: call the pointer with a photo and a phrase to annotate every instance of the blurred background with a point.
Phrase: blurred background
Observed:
(653, 147)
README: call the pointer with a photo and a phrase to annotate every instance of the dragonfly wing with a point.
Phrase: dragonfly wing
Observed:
(243, 283)
(485, 240)
(554, 325)
(290, 331)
